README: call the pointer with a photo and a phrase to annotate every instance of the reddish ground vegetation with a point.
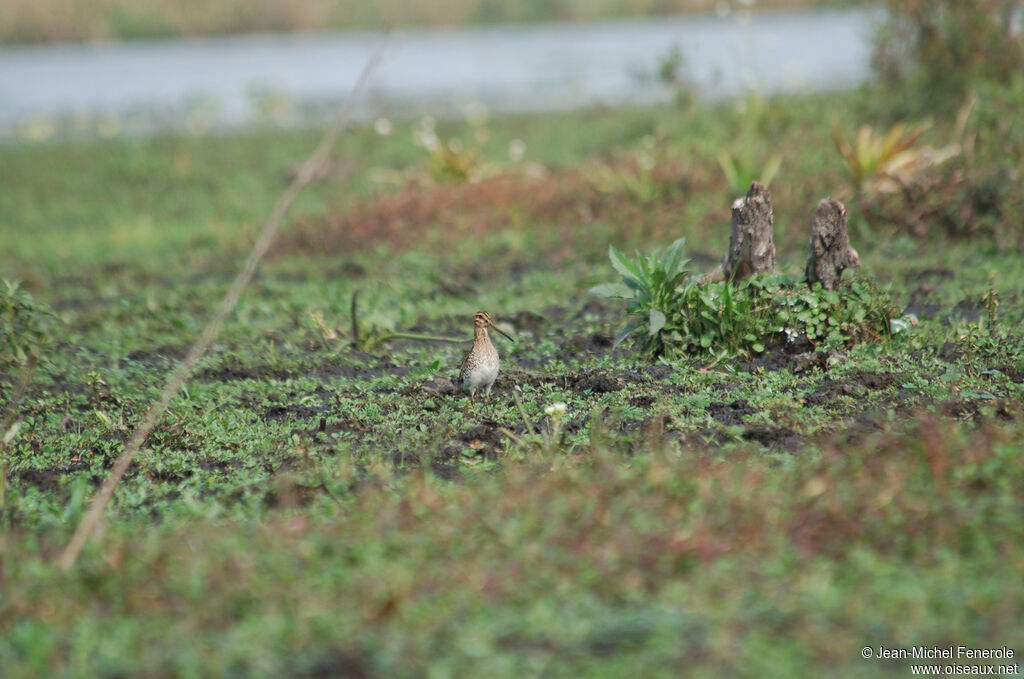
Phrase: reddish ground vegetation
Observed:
(417, 214)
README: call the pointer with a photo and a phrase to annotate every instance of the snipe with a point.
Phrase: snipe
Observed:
(480, 367)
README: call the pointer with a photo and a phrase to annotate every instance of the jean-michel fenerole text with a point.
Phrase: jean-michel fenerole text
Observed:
(949, 652)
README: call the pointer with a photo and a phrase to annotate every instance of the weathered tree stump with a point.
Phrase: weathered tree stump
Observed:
(751, 244)
(830, 252)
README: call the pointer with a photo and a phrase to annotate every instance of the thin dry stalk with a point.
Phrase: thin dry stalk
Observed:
(306, 174)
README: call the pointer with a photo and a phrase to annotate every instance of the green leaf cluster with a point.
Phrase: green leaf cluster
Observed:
(672, 316)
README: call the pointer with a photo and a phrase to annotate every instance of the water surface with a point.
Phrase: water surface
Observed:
(237, 81)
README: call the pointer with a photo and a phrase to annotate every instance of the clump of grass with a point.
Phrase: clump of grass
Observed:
(674, 316)
(453, 158)
(876, 161)
(450, 159)
(740, 173)
(646, 174)
(24, 327)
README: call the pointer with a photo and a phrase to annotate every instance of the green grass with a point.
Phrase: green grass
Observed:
(306, 508)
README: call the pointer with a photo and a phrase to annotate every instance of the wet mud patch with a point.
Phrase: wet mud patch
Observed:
(573, 349)
(730, 413)
(158, 357)
(950, 352)
(485, 438)
(234, 373)
(773, 437)
(921, 306)
(595, 381)
(966, 310)
(601, 381)
(599, 342)
(643, 401)
(280, 413)
(46, 480)
(923, 310)
(855, 385)
(323, 430)
(658, 372)
(642, 434)
(51, 479)
(338, 664)
(533, 322)
(933, 274)
(862, 426)
(324, 371)
(1013, 373)
(796, 360)
(435, 387)
(444, 464)
(187, 471)
(292, 494)
(978, 409)
(328, 371)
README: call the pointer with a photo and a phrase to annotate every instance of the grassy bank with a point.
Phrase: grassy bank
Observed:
(27, 21)
(312, 508)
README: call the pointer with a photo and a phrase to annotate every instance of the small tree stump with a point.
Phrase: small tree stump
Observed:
(830, 252)
(751, 243)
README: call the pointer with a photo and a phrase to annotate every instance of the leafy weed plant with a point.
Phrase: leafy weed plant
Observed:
(643, 174)
(674, 316)
(874, 160)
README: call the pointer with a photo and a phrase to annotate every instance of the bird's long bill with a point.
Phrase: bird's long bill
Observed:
(500, 330)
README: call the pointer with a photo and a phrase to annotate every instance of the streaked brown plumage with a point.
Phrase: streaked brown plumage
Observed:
(480, 367)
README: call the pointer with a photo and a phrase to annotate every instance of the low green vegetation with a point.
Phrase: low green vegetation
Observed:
(320, 500)
(30, 21)
(933, 53)
(677, 315)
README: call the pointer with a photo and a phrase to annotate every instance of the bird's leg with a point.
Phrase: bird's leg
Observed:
(472, 399)
(487, 398)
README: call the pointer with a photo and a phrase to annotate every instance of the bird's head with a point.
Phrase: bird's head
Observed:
(482, 319)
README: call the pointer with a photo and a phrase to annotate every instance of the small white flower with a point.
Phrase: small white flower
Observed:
(427, 139)
(556, 409)
(382, 126)
(516, 150)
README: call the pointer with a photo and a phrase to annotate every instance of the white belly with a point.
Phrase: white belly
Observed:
(481, 377)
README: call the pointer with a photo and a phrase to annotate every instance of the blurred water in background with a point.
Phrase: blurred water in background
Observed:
(235, 82)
